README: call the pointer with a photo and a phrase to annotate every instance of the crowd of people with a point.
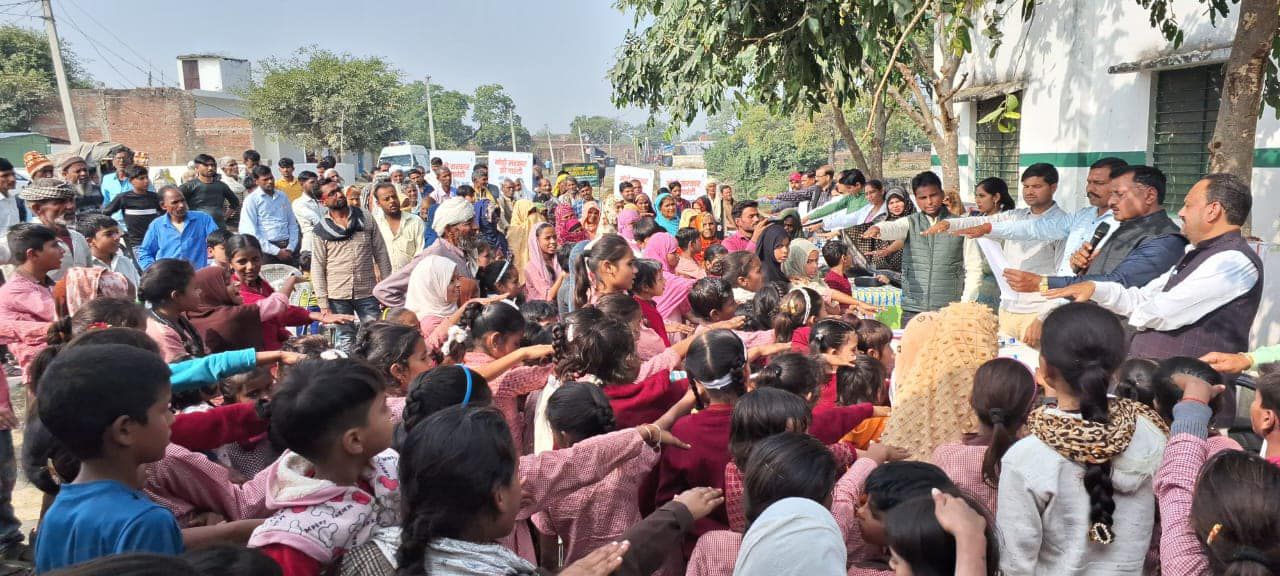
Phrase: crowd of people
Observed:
(562, 379)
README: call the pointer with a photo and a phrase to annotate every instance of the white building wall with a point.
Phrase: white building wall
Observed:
(1074, 111)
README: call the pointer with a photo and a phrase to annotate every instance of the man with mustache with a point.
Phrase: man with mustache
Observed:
(88, 196)
(347, 259)
(52, 202)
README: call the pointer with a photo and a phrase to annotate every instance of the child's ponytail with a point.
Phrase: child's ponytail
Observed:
(793, 372)
(580, 409)
(717, 359)
(797, 308)
(607, 248)
(1003, 393)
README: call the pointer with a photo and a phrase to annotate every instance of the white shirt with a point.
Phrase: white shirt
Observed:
(76, 255)
(1221, 278)
(1076, 228)
(1037, 256)
(308, 211)
(8, 217)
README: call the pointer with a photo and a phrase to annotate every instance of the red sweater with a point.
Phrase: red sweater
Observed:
(203, 431)
(707, 433)
(653, 318)
(830, 424)
(837, 281)
(273, 331)
(800, 339)
(644, 401)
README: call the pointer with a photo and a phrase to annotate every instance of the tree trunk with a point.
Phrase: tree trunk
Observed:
(880, 126)
(1231, 148)
(949, 156)
(859, 159)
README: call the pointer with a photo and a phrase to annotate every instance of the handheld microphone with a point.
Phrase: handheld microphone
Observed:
(1098, 234)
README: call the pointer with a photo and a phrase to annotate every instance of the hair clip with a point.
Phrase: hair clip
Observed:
(99, 326)
(1101, 533)
(1213, 534)
(466, 398)
(333, 354)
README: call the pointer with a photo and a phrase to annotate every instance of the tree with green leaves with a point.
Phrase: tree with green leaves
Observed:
(492, 111)
(450, 109)
(327, 100)
(691, 57)
(27, 84)
(599, 129)
(765, 147)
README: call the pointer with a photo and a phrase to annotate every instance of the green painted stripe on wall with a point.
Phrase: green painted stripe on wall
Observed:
(1079, 159)
(1266, 158)
(1262, 158)
(934, 161)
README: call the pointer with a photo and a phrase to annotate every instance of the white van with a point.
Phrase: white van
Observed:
(405, 155)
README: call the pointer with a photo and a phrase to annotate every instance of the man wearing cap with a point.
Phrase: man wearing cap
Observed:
(51, 201)
(38, 165)
(455, 223)
(85, 194)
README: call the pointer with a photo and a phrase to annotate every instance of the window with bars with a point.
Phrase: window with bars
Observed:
(997, 152)
(1186, 108)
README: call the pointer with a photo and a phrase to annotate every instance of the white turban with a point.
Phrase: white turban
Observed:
(452, 211)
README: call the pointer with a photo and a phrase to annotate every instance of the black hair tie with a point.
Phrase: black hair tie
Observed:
(996, 415)
(1250, 554)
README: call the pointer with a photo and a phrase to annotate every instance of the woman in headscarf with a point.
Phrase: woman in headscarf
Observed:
(223, 319)
(542, 273)
(673, 304)
(931, 396)
(888, 255)
(524, 218)
(701, 205)
(791, 222)
(705, 224)
(772, 251)
(668, 216)
(591, 219)
(626, 219)
(644, 205)
(435, 289)
(568, 227)
(804, 268)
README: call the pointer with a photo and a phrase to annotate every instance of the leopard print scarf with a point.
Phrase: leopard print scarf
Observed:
(1086, 442)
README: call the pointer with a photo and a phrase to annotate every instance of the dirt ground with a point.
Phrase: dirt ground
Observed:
(26, 498)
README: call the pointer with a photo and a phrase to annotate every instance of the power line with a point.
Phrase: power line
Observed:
(150, 67)
(94, 44)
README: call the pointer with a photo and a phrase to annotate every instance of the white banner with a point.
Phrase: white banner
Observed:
(692, 181)
(513, 165)
(459, 163)
(644, 175)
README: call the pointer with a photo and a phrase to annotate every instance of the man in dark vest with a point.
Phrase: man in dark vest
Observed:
(1145, 245)
(932, 266)
(1208, 300)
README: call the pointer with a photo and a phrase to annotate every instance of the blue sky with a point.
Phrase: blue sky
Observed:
(552, 56)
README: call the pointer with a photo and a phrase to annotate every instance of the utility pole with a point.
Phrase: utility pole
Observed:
(511, 119)
(550, 148)
(431, 117)
(611, 142)
(64, 93)
(582, 144)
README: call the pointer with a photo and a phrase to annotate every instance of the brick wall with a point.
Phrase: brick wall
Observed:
(224, 136)
(158, 121)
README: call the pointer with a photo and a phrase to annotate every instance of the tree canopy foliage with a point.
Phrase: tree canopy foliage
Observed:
(450, 110)
(27, 83)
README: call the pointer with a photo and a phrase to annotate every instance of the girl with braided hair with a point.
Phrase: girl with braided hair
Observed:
(1092, 457)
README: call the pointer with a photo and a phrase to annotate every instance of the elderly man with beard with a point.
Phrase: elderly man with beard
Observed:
(455, 223)
(347, 258)
(52, 203)
(87, 195)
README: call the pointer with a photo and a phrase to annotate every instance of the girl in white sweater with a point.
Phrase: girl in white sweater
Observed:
(1075, 494)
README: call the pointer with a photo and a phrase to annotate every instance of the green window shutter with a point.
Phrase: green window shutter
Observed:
(997, 152)
(1186, 110)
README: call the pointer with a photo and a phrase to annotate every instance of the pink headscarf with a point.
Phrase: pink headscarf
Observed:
(538, 280)
(676, 293)
(626, 219)
(565, 221)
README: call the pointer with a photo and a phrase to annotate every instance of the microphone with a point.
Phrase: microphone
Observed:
(1098, 234)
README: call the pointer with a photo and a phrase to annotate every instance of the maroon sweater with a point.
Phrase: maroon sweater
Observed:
(707, 433)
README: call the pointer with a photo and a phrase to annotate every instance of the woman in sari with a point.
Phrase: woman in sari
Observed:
(668, 216)
(524, 218)
(591, 219)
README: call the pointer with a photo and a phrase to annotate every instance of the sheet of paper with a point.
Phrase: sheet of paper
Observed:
(994, 253)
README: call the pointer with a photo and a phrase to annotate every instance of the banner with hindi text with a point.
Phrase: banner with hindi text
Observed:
(518, 166)
(460, 163)
(644, 175)
(692, 181)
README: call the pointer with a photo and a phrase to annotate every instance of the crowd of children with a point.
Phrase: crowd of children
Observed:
(638, 402)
